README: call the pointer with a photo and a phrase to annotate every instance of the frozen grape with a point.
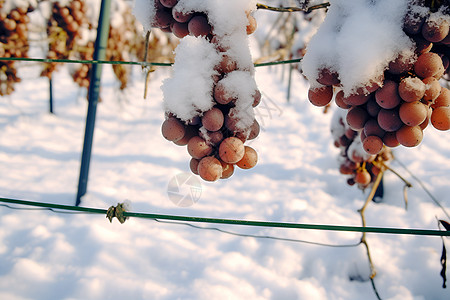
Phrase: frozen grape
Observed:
(429, 65)
(363, 177)
(339, 100)
(413, 113)
(357, 117)
(432, 89)
(320, 96)
(193, 165)
(172, 129)
(227, 170)
(440, 118)
(435, 29)
(372, 144)
(213, 119)
(390, 139)
(372, 107)
(210, 168)
(409, 136)
(443, 99)
(199, 26)
(411, 89)
(180, 30)
(231, 150)
(252, 25)
(373, 128)
(387, 97)
(356, 99)
(198, 148)
(328, 77)
(249, 159)
(389, 119)
(221, 95)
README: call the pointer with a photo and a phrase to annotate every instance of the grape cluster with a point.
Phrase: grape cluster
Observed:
(214, 138)
(362, 168)
(64, 32)
(13, 43)
(396, 108)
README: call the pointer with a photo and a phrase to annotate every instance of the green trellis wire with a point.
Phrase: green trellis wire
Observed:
(385, 230)
(109, 62)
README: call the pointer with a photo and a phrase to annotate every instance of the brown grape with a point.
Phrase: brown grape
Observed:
(320, 96)
(400, 65)
(172, 129)
(213, 119)
(357, 117)
(435, 30)
(180, 30)
(443, 99)
(328, 77)
(372, 144)
(433, 89)
(390, 139)
(440, 118)
(252, 25)
(373, 128)
(254, 130)
(193, 165)
(387, 97)
(339, 100)
(409, 136)
(429, 65)
(356, 99)
(249, 159)
(411, 89)
(372, 107)
(413, 113)
(198, 148)
(210, 168)
(231, 150)
(199, 26)
(227, 170)
(389, 119)
(221, 95)
(363, 177)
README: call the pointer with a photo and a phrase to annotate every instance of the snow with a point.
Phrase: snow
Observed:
(337, 44)
(46, 255)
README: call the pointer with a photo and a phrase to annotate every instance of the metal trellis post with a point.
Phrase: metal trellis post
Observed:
(93, 94)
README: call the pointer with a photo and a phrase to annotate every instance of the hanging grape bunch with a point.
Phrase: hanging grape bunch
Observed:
(64, 31)
(13, 41)
(209, 100)
(394, 103)
(361, 167)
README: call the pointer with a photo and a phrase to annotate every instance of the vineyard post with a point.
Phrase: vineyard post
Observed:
(93, 94)
(50, 89)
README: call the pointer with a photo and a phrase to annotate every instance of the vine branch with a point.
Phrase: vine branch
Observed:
(292, 9)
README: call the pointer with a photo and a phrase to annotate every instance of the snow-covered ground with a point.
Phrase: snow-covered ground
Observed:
(48, 255)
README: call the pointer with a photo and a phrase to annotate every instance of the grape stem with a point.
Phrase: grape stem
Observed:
(293, 9)
(363, 219)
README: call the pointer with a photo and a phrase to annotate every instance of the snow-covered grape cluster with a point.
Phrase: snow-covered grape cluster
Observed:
(64, 30)
(362, 168)
(391, 89)
(13, 40)
(209, 100)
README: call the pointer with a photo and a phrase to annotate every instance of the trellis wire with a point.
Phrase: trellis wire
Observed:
(385, 230)
(138, 63)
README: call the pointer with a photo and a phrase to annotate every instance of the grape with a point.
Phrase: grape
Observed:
(213, 119)
(199, 26)
(320, 96)
(362, 177)
(181, 17)
(328, 77)
(172, 129)
(190, 133)
(400, 65)
(411, 89)
(387, 97)
(435, 30)
(425, 123)
(372, 107)
(198, 148)
(413, 113)
(254, 130)
(168, 3)
(440, 118)
(443, 99)
(433, 89)
(372, 128)
(227, 170)
(210, 168)
(339, 100)
(163, 18)
(409, 136)
(193, 165)
(429, 65)
(256, 98)
(357, 117)
(356, 99)
(221, 95)
(372, 144)
(231, 150)
(180, 30)
(390, 139)
(249, 159)
(227, 65)
(413, 23)
(389, 119)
